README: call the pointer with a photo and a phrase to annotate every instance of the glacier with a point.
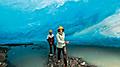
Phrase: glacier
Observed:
(88, 22)
(106, 32)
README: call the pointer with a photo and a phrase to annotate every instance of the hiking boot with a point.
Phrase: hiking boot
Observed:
(58, 61)
(51, 55)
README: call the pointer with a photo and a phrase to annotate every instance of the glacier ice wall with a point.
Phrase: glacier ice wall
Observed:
(85, 21)
(106, 32)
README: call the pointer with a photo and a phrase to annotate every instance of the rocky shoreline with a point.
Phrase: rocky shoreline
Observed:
(72, 62)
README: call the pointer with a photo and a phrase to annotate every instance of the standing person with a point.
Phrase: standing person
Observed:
(50, 39)
(61, 45)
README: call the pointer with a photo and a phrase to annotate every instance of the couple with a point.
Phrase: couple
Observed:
(61, 44)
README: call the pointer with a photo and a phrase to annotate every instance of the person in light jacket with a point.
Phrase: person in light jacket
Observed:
(61, 45)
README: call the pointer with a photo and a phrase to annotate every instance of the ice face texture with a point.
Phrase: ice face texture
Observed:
(93, 22)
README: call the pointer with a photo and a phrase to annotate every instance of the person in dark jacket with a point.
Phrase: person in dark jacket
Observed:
(50, 39)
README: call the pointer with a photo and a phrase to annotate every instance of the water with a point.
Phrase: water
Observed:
(99, 56)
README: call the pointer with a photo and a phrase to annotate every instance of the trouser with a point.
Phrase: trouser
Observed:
(52, 45)
(64, 54)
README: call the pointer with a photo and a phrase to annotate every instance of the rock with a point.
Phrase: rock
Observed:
(3, 64)
(71, 62)
(3, 56)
